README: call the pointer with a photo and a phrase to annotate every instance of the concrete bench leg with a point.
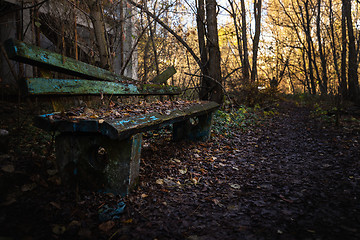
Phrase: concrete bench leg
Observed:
(200, 131)
(99, 163)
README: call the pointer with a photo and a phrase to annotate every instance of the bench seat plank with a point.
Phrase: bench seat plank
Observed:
(44, 86)
(125, 127)
(36, 56)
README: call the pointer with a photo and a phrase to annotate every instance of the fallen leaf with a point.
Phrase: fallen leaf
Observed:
(130, 220)
(236, 186)
(233, 207)
(176, 160)
(85, 233)
(74, 224)
(195, 180)
(56, 205)
(55, 180)
(285, 199)
(106, 226)
(58, 229)
(160, 181)
(144, 195)
(28, 187)
(8, 201)
(183, 171)
(52, 172)
(8, 168)
(217, 202)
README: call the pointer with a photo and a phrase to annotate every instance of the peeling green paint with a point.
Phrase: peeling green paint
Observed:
(124, 127)
(44, 86)
(34, 55)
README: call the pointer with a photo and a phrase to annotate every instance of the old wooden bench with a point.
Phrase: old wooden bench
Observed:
(79, 141)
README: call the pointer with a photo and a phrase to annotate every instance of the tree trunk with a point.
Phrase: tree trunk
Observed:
(146, 57)
(153, 42)
(200, 21)
(257, 14)
(307, 82)
(238, 38)
(75, 31)
(99, 30)
(307, 30)
(246, 65)
(333, 41)
(343, 84)
(352, 63)
(216, 91)
(323, 85)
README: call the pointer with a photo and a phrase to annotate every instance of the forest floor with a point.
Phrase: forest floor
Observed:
(290, 176)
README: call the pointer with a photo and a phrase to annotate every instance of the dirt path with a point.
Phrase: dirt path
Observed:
(290, 178)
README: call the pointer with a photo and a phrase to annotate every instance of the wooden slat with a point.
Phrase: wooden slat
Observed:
(34, 55)
(125, 127)
(122, 128)
(164, 76)
(44, 86)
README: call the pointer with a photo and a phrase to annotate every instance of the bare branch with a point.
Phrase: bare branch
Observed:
(196, 58)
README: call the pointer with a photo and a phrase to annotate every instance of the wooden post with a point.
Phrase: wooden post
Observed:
(96, 162)
(198, 131)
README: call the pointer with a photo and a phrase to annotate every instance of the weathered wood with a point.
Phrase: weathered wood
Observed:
(199, 131)
(126, 127)
(115, 169)
(164, 76)
(34, 55)
(78, 143)
(43, 86)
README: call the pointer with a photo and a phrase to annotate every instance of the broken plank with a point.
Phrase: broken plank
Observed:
(34, 55)
(44, 86)
(164, 76)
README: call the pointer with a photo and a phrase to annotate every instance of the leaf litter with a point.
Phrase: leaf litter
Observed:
(289, 178)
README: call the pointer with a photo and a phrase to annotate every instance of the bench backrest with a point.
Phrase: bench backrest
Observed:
(110, 83)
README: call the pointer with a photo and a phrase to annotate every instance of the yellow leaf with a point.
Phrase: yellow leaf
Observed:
(236, 186)
(128, 221)
(160, 181)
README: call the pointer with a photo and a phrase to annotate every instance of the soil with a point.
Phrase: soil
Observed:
(291, 177)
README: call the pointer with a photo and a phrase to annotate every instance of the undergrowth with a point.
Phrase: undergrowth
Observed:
(329, 109)
(228, 121)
